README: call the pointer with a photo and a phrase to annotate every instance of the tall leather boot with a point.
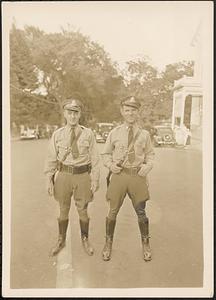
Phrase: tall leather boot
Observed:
(107, 250)
(144, 230)
(63, 224)
(84, 226)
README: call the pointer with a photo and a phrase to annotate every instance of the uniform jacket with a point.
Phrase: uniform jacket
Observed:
(59, 145)
(116, 147)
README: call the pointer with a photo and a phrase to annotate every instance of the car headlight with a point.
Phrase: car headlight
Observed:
(167, 138)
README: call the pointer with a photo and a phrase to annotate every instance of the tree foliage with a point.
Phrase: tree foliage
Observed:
(22, 74)
(154, 89)
(72, 65)
(46, 68)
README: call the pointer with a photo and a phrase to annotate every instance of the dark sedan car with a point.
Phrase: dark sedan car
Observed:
(163, 135)
(102, 130)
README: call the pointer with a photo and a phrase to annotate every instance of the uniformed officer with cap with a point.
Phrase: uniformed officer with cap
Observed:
(72, 169)
(129, 155)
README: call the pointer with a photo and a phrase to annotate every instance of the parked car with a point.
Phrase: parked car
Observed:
(50, 129)
(102, 130)
(28, 133)
(163, 135)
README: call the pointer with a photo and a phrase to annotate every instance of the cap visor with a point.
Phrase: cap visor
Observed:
(73, 109)
(131, 105)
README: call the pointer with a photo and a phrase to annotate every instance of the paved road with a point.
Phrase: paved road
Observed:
(175, 212)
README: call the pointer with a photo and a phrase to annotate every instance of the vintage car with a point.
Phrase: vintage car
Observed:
(102, 130)
(29, 133)
(49, 130)
(163, 135)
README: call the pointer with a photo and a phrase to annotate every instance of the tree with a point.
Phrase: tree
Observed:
(22, 73)
(165, 96)
(71, 64)
(154, 89)
(142, 82)
(176, 71)
(46, 68)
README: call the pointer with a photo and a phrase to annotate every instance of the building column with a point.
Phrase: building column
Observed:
(184, 95)
(173, 111)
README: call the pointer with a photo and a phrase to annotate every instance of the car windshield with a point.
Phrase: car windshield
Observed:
(164, 130)
(104, 127)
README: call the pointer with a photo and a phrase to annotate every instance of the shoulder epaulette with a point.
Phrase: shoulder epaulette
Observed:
(117, 127)
(59, 129)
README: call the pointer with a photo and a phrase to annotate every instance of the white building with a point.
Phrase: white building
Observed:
(188, 96)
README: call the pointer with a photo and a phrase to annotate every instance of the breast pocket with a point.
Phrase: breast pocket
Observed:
(83, 146)
(62, 149)
(120, 150)
(139, 147)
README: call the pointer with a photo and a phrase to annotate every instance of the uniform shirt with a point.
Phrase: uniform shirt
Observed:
(59, 145)
(116, 147)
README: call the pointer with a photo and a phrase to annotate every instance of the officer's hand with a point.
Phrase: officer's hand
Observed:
(94, 186)
(115, 169)
(145, 169)
(50, 187)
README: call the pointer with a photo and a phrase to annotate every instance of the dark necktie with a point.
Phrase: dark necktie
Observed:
(131, 153)
(73, 144)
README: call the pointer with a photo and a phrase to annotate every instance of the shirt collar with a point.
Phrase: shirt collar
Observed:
(134, 126)
(77, 128)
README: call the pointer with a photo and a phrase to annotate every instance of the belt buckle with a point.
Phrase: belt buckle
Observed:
(133, 171)
(71, 169)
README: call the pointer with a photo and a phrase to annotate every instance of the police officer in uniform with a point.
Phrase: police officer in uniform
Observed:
(129, 155)
(72, 169)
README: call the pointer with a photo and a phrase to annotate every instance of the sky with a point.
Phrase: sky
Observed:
(160, 30)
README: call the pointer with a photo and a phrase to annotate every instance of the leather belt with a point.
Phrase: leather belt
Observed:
(74, 169)
(131, 171)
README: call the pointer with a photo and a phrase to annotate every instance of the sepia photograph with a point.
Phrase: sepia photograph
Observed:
(107, 111)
